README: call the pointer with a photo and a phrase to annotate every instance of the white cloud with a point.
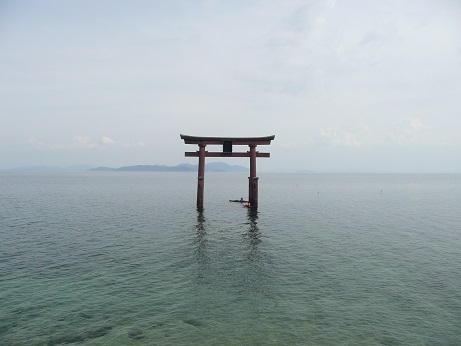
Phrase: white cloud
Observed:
(136, 144)
(107, 140)
(335, 136)
(36, 143)
(83, 142)
(407, 131)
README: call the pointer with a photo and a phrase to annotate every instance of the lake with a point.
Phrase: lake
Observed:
(126, 259)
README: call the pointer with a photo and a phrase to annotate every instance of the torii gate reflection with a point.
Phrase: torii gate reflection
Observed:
(228, 143)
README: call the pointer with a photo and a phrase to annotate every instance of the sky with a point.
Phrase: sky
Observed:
(348, 86)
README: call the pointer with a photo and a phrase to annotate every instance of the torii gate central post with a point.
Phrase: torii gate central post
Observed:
(228, 143)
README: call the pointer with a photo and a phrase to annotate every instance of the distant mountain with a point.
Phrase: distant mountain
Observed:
(103, 169)
(155, 168)
(183, 167)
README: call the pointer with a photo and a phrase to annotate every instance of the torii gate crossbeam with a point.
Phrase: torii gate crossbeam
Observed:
(228, 143)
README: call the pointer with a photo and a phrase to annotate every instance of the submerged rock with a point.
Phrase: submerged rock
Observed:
(136, 335)
(193, 322)
(80, 337)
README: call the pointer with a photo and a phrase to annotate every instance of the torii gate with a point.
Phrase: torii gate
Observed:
(227, 143)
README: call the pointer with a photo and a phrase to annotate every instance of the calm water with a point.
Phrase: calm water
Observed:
(125, 259)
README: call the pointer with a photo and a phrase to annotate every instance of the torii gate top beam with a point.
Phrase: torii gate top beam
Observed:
(220, 140)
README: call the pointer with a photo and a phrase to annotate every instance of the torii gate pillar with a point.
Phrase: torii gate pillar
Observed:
(227, 143)
(201, 176)
(253, 179)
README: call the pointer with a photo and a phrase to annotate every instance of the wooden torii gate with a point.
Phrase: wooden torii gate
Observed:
(228, 143)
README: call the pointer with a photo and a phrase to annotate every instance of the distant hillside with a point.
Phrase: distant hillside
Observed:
(183, 167)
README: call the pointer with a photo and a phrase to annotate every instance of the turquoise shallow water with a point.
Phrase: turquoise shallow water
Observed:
(125, 259)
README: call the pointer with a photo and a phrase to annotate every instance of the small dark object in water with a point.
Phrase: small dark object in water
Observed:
(238, 200)
(193, 322)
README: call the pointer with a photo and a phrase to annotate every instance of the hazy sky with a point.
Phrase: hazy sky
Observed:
(345, 85)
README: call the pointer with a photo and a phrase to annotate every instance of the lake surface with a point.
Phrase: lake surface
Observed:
(126, 259)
